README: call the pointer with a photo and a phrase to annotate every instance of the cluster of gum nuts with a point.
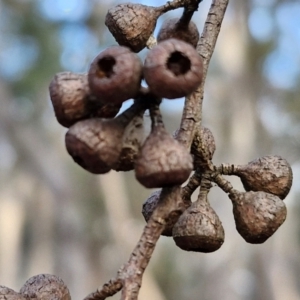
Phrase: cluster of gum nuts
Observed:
(99, 140)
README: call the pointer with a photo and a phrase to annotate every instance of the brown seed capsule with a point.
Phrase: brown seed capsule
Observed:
(115, 75)
(150, 205)
(96, 144)
(257, 215)
(72, 100)
(45, 287)
(133, 138)
(173, 69)
(9, 294)
(132, 24)
(199, 228)
(271, 174)
(162, 161)
(203, 147)
(173, 28)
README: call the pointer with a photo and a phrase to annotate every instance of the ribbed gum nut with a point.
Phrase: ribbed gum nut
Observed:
(172, 28)
(173, 69)
(133, 138)
(115, 75)
(199, 228)
(150, 205)
(203, 147)
(257, 215)
(9, 294)
(45, 287)
(271, 174)
(96, 144)
(69, 94)
(132, 24)
(72, 100)
(162, 161)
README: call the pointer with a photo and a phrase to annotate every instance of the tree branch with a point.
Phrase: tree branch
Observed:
(192, 113)
(129, 277)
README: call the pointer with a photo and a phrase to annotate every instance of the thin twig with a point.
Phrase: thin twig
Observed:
(171, 5)
(188, 13)
(188, 190)
(108, 289)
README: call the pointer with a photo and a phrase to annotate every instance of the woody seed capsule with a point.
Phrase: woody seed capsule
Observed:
(132, 24)
(115, 75)
(72, 100)
(151, 204)
(96, 144)
(271, 174)
(257, 215)
(9, 294)
(173, 69)
(133, 138)
(45, 287)
(199, 228)
(162, 161)
(203, 147)
(173, 28)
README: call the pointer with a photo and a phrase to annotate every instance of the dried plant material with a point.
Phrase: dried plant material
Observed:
(132, 24)
(115, 75)
(96, 144)
(199, 228)
(151, 204)
(9, 294)
(173, 69)
(173, 28)
(133, 139)
(45, 287)
(257, 215)
(72, 100)
(271, 174)
(162, 161)
(203, 147)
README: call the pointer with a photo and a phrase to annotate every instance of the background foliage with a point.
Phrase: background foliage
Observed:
(56, 218)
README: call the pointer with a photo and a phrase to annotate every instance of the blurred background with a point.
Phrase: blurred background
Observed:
(57, 218)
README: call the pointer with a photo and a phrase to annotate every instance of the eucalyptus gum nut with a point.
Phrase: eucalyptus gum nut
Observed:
(115, 75)
(271, 174)
(199, 229)
(150, 205)
(257, 215)
(172, 28)
(94, 144)
(162, 161)
(69, 94)
(133, 138)
(72, 100)
(132, 24)
(203, 149)
(173, 69)
(45, 287)
(9, 294)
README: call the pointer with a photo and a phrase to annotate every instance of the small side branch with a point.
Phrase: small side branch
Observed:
(108, 289)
